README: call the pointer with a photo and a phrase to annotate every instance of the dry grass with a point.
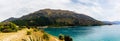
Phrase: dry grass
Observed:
(22, 36)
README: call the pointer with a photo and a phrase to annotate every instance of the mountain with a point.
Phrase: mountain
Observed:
(107, 22)
(111, 23)
(52, 17)
(10, 19)
(116, 22)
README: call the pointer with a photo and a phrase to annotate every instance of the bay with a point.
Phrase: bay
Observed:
(88, 33)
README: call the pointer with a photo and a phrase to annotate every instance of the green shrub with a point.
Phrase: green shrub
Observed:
(45, 36)
(8, 27)
(1, 28)
(28, 32)
(61, 37)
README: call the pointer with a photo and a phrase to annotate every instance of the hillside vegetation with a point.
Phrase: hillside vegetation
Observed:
(8, 27)
(51, 17)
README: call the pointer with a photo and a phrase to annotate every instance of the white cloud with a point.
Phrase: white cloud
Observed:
(17, 8)
(103, 9)
(99, 9)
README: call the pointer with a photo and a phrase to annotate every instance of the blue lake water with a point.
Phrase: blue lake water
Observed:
(91, 33)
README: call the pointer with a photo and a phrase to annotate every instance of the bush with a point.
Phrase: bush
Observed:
(67, 38)
(45, 36)
(7, 30)
(28, 32)
(8, 27)
(1, 28)
(61, 37)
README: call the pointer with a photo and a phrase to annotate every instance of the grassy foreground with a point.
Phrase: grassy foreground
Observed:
(27, 35)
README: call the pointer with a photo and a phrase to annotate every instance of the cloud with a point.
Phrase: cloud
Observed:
(98, 9)
(17, 8)
(101, 9)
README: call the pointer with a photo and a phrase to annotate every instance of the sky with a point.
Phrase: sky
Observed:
(104, 10)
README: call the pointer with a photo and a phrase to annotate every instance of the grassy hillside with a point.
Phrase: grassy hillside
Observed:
(22, 35)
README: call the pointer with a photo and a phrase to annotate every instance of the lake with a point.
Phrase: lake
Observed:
(90, 33)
